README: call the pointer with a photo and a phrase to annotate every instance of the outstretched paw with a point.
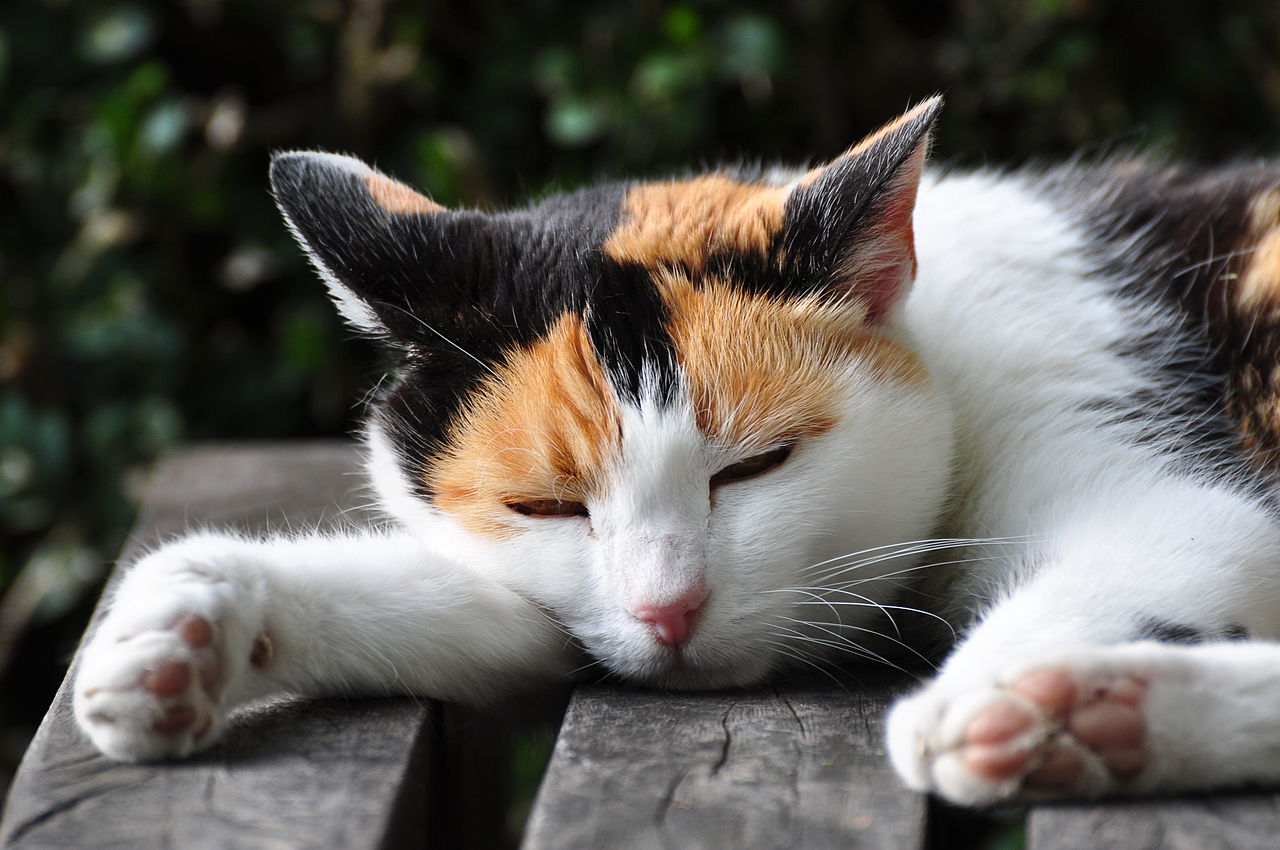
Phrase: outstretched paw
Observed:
(168, 660)
(153, 693)
(1052, 730)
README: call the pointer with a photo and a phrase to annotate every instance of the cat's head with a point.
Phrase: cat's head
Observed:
(664, 411)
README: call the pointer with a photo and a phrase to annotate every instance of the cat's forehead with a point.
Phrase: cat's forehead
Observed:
(606, 253)
(750, 373)
(664, 296)
(726, 222)
(604, 241)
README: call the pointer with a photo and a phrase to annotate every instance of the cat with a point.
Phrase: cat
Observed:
(695, 432)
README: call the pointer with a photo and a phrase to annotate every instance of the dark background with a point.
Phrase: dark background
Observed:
(151, 296)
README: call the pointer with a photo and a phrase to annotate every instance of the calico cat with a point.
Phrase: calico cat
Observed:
(698, 431)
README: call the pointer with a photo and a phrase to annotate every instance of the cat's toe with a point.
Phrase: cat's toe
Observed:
(997, 744)
(973, 747)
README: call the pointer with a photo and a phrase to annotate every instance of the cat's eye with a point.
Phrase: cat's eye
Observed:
(752, 466)
(548, 508)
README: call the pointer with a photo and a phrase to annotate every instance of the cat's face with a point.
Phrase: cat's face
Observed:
(659, 410)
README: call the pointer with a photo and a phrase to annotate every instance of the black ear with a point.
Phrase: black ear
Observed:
(848, 224)
(365, 233)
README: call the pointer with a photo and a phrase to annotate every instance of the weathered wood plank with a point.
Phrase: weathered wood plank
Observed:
(1244, 821)
(331, 773)
(796, 766)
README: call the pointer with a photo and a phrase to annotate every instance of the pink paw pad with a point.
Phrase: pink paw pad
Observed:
(171, 680)
(175, 719)
(168, 679)
(196, 631)
(1046, 731)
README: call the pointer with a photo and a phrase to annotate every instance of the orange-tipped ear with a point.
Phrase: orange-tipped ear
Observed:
(856, 213)
(395, 197)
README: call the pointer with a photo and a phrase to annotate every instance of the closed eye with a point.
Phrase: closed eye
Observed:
(550, 508)
(752, 466)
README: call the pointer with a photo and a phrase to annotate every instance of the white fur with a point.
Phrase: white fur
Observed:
(1087, 530)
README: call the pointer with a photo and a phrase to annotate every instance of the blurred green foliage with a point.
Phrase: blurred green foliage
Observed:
(151, 296)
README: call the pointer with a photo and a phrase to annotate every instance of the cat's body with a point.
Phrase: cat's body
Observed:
(700, 430)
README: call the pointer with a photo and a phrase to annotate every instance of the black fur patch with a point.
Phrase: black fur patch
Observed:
(626, 320)
(1178, 226)
(1235, 632)
(1166, 632)
(1169, 235)
(823, 219)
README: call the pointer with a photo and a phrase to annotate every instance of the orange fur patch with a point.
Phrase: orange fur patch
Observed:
(1254, 396)
(543, 427)
(1253, 404)
(1260, 278)
(395, 197)
(685, 221)
(763, 371)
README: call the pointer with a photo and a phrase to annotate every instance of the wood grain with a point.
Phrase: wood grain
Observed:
(320, 773)
(1244, 821)
(797, 766)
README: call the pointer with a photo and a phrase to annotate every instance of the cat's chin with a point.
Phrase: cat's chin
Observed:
(689, 672)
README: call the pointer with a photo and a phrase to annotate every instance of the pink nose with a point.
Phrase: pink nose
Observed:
(672, 623)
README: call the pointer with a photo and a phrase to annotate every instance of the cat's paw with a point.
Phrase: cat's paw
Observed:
(1059, 729)
(153, 680)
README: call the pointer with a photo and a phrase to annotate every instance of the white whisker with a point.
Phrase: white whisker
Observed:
(903, 644)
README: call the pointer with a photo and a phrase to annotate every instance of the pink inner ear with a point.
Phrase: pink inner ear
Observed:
(883, 263)
(889, 270)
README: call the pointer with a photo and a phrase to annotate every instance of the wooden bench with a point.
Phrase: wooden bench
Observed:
(797, 765)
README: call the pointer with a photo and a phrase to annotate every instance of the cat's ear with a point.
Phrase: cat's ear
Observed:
(848, 223)
(360, 228)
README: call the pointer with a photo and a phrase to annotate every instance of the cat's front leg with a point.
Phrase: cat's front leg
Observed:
(212, 622)
(1059, 690)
